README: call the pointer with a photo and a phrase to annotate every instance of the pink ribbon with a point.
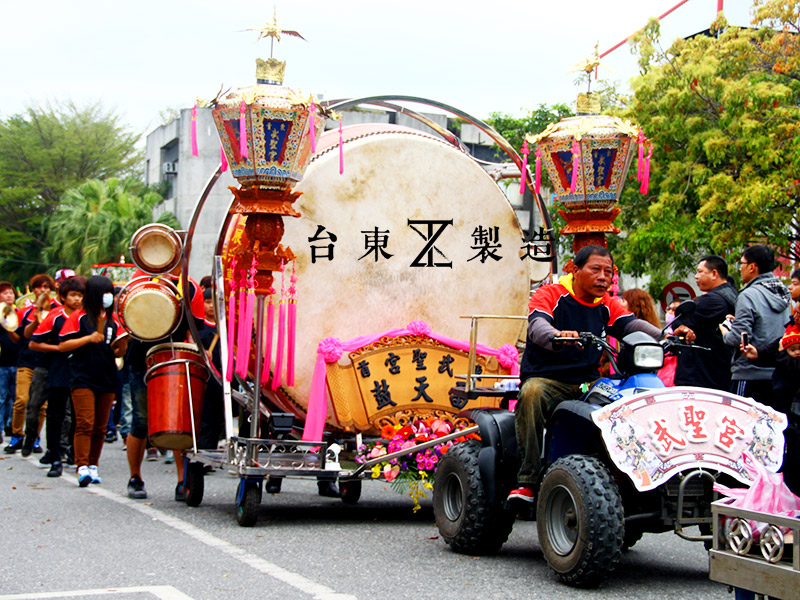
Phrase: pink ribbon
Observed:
(243, 131)
(312, 126)
(576, 163)
(194, 131)
(265, 371)
(643, 189)
(640, 165)
(341, 150)
(223, 159)
(331, 349)
(276, 374)
(524, 172)
(537, 182)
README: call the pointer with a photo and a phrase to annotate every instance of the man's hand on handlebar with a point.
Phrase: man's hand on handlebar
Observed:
(567, 337)
(686, 333)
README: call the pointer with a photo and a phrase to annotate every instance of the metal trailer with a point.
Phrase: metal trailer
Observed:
(255, 459)
(763, 560)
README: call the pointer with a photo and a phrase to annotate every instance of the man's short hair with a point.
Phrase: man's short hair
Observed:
(716, 263)
(40, 279)
(795, 275)
(205, 282)
(6, 285)
(582, 256)
(208, 294)
(73, 284)
(762, 256)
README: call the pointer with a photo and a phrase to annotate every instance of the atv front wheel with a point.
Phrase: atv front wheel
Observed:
(580, 520)
(467, 521)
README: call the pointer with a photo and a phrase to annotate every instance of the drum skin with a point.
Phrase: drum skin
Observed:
(169, 418)
(156, 248)
(149, 310)
(392, 175)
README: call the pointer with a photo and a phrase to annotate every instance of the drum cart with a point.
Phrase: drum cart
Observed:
(766, 563)
(280, 454)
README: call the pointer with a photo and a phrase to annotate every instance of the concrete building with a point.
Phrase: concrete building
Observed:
(168, 158)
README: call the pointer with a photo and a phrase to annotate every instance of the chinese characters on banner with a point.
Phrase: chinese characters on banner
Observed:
(435, 234)
(654, 435)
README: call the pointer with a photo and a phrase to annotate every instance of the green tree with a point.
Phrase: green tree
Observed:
(95, 221)
(514, 129)
(43, 152)
(722, 111)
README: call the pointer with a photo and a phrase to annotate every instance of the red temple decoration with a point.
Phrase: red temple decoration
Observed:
(587, 159)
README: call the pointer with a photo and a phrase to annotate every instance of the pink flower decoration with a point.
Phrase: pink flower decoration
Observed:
(507, 356)
(377, 451)
(390, 473)
(331, 349)
(419, 328)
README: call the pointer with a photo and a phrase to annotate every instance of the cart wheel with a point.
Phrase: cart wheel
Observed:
(195, 484)
(350, 491)
(248, 501)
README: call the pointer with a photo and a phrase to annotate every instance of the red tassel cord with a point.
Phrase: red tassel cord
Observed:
(537, 182)
(276, 375)
(265, 371)
(241, 358)
(231, 322)
(576, 164)
(640, 165)
(223, 159)
(194, 131)
(341, 150)
(291, 327)
(312, 127)
(524, 171)
(646, 174)
(243, 131)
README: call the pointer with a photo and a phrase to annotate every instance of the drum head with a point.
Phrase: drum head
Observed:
(150, 314)
(157, 249)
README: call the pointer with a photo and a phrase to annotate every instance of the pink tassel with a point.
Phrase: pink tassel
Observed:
(231, 323)
(265, 371)
(640, 166)
(576, 163)
(524, 172)
(241, 359)
(248, 317)
(341, 151)
(242, 131)
(291, 329)
(194, 131)
(312, 127)
(223, 159)
(537, 182)
(646, 174)
(276, 376)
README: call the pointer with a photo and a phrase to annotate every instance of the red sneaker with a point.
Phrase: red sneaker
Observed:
(521, 493)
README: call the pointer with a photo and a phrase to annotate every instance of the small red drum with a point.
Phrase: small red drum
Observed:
(156, 248)
(176, 381)
(149, 309)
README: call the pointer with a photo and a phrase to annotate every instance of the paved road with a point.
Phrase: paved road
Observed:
(61, 541)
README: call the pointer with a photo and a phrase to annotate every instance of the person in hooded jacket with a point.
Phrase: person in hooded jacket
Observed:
(762, 311)
(699, 367)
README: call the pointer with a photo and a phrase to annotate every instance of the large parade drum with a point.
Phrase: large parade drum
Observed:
(156, 248)
(413, 230)
(176, 382)
(149, 309)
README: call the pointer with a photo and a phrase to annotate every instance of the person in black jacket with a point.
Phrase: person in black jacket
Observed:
(784, 355)
(699, 367)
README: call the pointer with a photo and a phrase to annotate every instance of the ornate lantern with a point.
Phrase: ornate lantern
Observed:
(587, 158)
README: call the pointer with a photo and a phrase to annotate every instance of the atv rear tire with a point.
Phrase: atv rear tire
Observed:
(580, 520)
(465, 518)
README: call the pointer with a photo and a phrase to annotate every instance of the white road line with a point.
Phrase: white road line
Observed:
(316, 590)
(163, 592)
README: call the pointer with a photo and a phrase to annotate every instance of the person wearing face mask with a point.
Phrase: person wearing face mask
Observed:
(86, 338)
(703, 368)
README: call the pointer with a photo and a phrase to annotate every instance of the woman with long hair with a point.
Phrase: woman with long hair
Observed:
(642, 305)
(86, 338)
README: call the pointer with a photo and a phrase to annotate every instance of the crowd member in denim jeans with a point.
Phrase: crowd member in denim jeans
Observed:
(8, 364)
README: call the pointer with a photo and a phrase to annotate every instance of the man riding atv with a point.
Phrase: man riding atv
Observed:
(554, 371)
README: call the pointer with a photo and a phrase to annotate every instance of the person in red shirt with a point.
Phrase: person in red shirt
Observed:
(86, 338)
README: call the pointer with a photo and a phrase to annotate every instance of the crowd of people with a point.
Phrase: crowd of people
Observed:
(67, 364)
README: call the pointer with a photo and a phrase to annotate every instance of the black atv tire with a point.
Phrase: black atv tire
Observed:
(580, 520)
(464, 516)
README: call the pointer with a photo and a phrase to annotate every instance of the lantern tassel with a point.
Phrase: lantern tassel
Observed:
(231, 322)
(276, 375)
(312, 127)
(241, 368)
(576, 163)
(223, 159)
(341, 150)
(291, 328)
(640, 165)
(194, 131)
(265, 371)
(537, 182)
(646, 172)
(242, 131)
(524, 171)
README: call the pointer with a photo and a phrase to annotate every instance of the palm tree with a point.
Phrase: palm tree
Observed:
(95, 221)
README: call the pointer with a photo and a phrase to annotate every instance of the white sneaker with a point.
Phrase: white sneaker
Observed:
(93, 473)
(84, 476)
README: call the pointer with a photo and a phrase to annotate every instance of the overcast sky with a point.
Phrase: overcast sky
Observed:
(139, 58)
